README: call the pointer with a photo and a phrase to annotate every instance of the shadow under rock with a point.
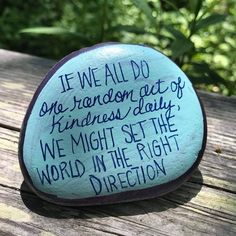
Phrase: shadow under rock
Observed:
(171, 200)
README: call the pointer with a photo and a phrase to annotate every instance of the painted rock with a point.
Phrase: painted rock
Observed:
(111, 123)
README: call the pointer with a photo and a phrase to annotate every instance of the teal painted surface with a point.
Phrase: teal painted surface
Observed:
(152, 134)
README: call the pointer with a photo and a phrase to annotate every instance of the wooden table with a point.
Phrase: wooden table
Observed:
(206, 204)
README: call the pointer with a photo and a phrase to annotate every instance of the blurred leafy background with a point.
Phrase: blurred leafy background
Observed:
(199, 35)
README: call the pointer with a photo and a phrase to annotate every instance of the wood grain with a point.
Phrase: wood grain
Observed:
(21, 74)
(206, 204)
(217, 209)
(158, 216)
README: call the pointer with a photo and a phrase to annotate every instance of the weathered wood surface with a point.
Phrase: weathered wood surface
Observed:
(206, 204)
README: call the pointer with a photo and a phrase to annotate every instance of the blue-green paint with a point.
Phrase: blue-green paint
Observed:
(188, 121)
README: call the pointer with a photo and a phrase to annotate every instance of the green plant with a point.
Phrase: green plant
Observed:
(199, 35)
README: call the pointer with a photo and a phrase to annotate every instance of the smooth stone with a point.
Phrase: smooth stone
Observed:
(111, 123)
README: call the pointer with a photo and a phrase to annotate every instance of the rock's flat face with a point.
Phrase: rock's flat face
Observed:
(111, 123)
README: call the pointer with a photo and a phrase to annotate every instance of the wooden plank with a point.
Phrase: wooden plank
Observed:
(216, 169)
(210, 209)
(60, 220)
(218, 164)
(192, 209)
(20, 74)
(26, 212)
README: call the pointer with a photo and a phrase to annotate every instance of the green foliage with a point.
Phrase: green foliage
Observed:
(46, 30)
(210, 20)
(144, 7)
(199, 35)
